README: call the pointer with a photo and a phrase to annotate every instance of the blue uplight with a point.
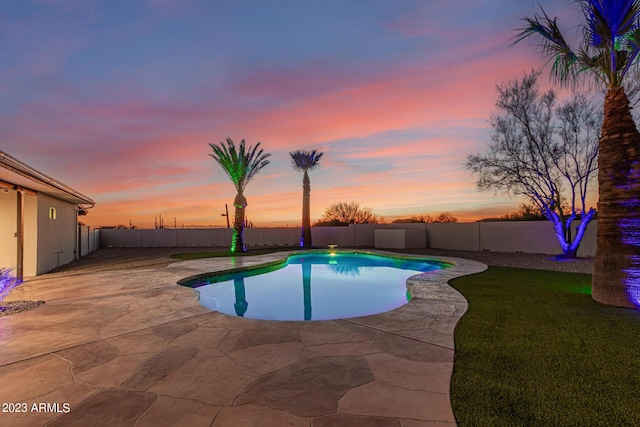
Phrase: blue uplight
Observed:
(630, 236)
(632, 280)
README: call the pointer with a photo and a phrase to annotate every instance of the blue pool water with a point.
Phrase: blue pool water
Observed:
(315, 286)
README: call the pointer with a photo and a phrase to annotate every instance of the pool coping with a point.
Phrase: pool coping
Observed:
(134, 343)
(284, 259)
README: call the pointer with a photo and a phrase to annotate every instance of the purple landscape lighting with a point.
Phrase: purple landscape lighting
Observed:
(630, 235)
(633, 280)
(7, 283)
(630, 230)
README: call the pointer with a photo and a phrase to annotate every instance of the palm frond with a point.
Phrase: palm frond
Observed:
(596, 64)
(305, 160)
(225, 159)
(566, 67)
(240, 164)
(610, 20)
(632, 40)
(255, 161)
(610, 45)
(610, 28)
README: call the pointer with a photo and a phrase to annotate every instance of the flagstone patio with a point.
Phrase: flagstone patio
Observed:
(131, 347)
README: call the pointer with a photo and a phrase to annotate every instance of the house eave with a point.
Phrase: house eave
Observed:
(19, 175)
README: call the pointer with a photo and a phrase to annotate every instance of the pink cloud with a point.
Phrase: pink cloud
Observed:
(411, 99)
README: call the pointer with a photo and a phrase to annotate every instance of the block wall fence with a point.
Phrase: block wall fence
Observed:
(88, 239)
(536, 237)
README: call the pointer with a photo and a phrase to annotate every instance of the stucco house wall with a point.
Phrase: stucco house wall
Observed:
(47, 241)
(30, 235)
(57, 237)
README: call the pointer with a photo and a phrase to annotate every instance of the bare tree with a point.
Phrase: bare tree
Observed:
(544, 152)
(348, 213)
(445, 217)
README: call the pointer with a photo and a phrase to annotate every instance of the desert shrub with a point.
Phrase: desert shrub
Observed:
(7, 283)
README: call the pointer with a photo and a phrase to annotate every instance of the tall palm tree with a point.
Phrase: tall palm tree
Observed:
(305, 161)
(609, 49)
(241, 165)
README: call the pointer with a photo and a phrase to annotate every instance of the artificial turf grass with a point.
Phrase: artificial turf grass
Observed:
(534, 349)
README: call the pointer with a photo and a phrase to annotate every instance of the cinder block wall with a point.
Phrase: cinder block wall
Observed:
(534, 237)
(455, 236)
(502, 236)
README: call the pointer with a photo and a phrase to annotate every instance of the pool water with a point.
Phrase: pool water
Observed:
(315, 286)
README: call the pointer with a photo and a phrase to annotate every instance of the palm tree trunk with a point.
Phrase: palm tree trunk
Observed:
(305, 237)
(616, 277)
(306, 288)
(241, 305)
(237, 240)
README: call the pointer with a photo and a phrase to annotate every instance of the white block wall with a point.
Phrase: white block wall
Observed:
(503, 236)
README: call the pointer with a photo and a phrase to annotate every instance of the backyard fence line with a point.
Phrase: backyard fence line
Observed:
(88, 239)
(536, 237)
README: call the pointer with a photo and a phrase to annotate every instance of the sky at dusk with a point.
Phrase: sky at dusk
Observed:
(119, 99)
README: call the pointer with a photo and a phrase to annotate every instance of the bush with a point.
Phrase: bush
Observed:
(7, 283)
(347, 213)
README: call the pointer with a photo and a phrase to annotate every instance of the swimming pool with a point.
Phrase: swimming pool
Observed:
(314, 286)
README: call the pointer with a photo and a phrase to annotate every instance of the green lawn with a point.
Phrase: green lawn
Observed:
(250, 252)
(535, 350)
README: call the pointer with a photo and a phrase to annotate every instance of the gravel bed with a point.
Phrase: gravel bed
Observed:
(8, 308)
(517, 260)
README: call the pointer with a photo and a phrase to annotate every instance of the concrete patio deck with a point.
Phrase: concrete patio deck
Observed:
(132, 347)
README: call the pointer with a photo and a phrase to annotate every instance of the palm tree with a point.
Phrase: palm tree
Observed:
(305, 161)
(609, 49)
(241, 165)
